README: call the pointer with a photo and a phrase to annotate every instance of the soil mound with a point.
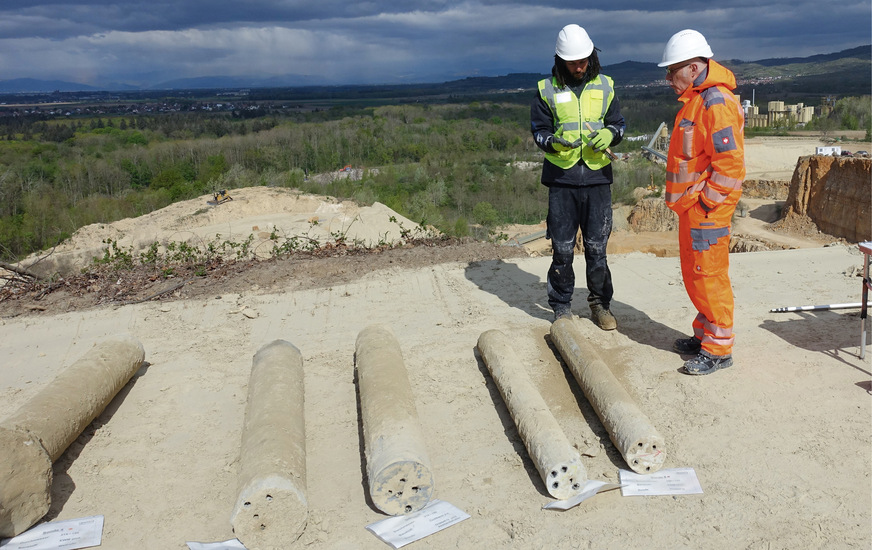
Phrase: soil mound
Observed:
(766, 189)
(257, 217)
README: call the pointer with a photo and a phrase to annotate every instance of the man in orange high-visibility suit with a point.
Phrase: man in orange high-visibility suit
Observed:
(704, 174)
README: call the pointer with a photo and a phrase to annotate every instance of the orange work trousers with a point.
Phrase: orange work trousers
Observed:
(704, 246)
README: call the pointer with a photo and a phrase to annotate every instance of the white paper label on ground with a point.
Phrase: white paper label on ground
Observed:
(68, 534)
(399, 531)
(591, 487)
(232, 544)
(674, 481)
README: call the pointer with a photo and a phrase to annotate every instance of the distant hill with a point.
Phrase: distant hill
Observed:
(862, 52)
(30, 85)
(33, 85)
(853, 64)
(213, 82)
(634, 73)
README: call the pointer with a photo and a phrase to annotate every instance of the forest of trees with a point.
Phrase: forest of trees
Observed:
(456, 165)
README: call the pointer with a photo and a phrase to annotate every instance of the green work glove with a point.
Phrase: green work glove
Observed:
(600, 139)
(561, 144)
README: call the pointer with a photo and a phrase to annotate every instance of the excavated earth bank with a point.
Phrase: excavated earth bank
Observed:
(835, 193)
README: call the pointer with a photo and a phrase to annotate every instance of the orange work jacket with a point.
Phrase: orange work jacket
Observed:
(706, 162)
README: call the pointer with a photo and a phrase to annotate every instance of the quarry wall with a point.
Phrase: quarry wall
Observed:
(835, 193)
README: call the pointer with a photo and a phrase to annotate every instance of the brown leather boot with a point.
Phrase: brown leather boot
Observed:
(602, 317)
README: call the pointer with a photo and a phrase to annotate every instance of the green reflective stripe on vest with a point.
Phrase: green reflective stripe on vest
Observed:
(575, 117)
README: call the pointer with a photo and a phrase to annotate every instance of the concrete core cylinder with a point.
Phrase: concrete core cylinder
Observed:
(40, 431)
(558, 462)
(271, 508)
(398, 469)
(629, 429)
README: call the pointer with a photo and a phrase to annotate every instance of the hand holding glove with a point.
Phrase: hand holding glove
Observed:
(561, 144)
(600, 139)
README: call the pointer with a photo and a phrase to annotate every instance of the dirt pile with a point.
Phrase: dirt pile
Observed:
(834, 193)
(260, 218)
(766, 189)
(652, 214)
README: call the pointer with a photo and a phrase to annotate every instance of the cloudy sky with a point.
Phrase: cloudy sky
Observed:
(388, 41)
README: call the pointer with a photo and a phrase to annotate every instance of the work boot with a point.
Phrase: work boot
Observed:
(687, 346)
(602, 317)
(562, 312)
(706, 363)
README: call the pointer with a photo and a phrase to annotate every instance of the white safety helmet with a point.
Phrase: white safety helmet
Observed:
(573, 43)
(685, 45)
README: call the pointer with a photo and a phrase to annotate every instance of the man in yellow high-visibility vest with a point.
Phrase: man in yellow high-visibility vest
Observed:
(574, 118)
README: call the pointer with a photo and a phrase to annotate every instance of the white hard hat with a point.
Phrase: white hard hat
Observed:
(685, 45)
(573, 43)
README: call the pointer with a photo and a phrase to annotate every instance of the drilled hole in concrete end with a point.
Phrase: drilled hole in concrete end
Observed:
(648, 469)
(246, 505)
(555, 485)
(414, 489)
(402, 480)
(399, 493)
(408, 508)
(653, 446)
(640, 443)
(256, 516)
(575, 486)
(635, 462)
(554, 473)
(390, 492)
(269, 498)
(564, 469)
(262, 526)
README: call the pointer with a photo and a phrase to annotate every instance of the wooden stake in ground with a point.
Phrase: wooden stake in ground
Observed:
(629, 429)
(558, 462)
(271, 508)
(40, 431)
(398, 469)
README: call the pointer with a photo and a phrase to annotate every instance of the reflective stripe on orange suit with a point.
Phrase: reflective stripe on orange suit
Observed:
(704, 174)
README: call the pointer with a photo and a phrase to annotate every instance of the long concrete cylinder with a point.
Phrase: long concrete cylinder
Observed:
(558, 462)
(40, 431)
(271, 507)
(397, 465)
(629, 429)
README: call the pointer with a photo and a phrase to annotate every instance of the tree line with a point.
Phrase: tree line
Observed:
(463, 167)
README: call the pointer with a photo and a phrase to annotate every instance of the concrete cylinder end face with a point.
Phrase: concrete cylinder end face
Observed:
(629, 429)
(269, 513)
(565, 480)
(647, 456)
(25, 482)
(402, 488)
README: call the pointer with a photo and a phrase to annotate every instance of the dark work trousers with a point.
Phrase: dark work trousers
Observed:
(589, 208)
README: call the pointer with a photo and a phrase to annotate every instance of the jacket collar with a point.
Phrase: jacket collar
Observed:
(715, 75)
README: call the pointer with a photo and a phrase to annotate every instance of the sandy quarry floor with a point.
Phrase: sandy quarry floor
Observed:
(780, 442)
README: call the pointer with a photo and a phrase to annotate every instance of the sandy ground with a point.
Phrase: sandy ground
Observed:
(774, 158)
(780, 442)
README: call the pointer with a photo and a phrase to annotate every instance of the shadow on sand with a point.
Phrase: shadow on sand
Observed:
(527, 292)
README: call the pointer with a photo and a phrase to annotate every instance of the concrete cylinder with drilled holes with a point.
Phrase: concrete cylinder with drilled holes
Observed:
(40, 431)
(629, 429)
(558, 462)
(397, 465)
(271, 507)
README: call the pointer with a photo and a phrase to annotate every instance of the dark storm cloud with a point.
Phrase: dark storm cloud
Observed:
(91, 41)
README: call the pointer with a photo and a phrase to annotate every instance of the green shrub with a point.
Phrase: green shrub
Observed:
(485, 214)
